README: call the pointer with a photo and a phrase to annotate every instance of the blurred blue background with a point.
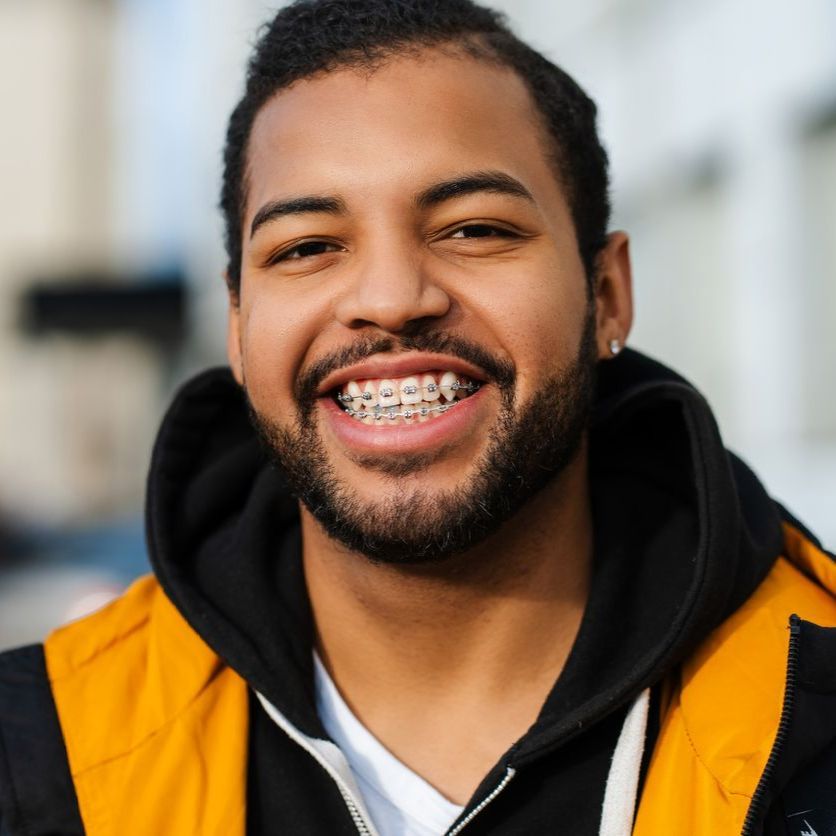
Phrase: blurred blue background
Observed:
(720, 119)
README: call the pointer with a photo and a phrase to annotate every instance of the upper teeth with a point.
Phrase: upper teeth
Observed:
(376, 395)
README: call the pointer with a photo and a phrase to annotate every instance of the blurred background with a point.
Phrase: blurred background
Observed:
(720, 119)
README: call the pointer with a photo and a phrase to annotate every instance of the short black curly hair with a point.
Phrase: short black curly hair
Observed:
(317, 36)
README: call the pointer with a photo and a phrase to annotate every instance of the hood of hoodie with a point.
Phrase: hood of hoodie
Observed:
(683, 533)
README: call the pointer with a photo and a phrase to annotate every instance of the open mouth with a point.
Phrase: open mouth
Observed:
(406, 400)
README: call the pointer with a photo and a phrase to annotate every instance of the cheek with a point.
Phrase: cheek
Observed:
(276, 337)
(538, 319)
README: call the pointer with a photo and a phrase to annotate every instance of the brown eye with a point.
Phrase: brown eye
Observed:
(480, 231)
(306, 250)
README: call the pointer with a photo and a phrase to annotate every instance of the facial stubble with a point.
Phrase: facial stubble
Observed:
(531, 444)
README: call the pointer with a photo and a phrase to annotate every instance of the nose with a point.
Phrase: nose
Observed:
(390, 289)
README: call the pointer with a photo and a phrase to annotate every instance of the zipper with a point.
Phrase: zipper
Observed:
(510, 772)
(758, 798)
(355, 809)
(364, 827)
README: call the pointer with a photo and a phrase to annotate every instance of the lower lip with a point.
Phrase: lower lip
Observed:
(416, 437)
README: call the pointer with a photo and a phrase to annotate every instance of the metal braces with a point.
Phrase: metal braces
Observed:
(380, 412)
(407, 390)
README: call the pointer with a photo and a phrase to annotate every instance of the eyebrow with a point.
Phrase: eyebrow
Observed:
(296, 206)
(497, 182)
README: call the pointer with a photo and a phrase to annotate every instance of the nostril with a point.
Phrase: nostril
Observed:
(393, 306)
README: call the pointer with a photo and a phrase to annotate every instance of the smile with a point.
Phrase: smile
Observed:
(406, 400)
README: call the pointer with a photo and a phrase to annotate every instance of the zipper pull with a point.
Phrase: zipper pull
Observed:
(795, 625)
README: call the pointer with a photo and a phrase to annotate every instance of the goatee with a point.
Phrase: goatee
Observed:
(530, 444)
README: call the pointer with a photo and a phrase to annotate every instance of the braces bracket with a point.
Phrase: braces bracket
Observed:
(408, 390)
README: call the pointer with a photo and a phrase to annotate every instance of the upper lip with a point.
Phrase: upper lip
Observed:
(383, 367)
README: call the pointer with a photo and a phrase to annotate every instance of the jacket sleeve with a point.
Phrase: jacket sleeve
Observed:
(37, 796)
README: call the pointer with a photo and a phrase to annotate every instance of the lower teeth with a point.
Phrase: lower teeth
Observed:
(377, 413)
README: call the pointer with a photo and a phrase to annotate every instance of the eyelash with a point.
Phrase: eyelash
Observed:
(495, 231)
(295, 253)
(288, 254)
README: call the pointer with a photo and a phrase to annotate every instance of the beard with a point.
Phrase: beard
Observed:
(530, 445)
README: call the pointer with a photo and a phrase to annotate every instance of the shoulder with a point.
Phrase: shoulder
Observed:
(754, 639)
(37, 793)
(722, 709)
(110, 630)
(125, 672)
(138, 692)
(735, 679)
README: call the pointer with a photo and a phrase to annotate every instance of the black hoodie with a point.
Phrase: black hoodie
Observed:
(684, 533)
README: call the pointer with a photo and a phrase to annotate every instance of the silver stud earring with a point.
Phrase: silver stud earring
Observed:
(615, 347)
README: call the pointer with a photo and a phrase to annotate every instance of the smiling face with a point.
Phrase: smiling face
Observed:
(413, 329)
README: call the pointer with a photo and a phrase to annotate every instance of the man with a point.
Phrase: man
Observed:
(501, 576)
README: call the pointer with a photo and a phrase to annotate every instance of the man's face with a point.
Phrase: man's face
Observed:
(405, 236)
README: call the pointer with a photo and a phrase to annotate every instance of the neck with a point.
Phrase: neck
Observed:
(398, 638)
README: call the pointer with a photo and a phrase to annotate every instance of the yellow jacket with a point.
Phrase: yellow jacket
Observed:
(156, 725)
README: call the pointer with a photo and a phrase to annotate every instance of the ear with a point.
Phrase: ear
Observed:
(233, 333)
(613, 295)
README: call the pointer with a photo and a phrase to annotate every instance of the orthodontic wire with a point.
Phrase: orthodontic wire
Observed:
(407, 390)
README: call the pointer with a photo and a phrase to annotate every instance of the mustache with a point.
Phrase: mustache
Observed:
(497, 370)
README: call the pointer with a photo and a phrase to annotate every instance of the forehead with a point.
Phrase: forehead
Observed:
(407, 122)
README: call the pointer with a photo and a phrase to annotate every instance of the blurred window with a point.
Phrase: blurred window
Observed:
(819, 285)
(681, 261)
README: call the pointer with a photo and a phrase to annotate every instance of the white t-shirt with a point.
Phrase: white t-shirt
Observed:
(399, 802)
